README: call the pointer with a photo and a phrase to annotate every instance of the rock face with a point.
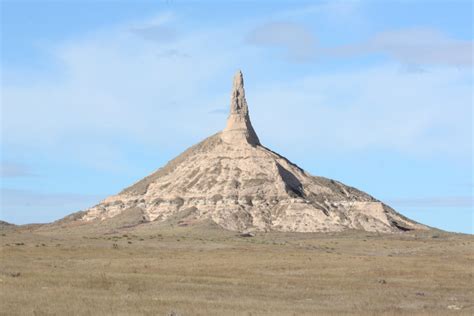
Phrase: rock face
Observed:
(231, 179)
(239, 130)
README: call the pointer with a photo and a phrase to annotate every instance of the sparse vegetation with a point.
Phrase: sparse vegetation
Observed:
(189, 271)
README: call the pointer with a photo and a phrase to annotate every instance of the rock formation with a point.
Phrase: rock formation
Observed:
(239, 129)
(231, 179)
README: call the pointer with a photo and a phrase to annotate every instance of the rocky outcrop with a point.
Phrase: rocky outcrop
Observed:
(231, 179)
(239, 129)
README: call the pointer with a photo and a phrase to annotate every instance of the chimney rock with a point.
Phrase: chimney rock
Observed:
(239, 129)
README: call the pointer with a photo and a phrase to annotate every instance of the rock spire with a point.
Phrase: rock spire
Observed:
(239, 129)
(229, 179)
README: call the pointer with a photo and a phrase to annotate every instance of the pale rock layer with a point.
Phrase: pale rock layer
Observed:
(231, 179)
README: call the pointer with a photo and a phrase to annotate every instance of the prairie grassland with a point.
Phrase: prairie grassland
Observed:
(194, 271)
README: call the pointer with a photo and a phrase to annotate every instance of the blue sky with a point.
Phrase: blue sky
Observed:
(377, 94)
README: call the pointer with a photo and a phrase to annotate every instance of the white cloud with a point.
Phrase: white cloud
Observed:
(377, 107)
(331, 10)
(412, 47)
(419, 46)
(156, 28)
(15, 198)
(9, 169)
(117, 87)
(115, 84)
(22, 206)
(296, 39)
(431, 202)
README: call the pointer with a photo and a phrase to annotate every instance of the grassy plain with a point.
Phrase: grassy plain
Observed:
(151, 270)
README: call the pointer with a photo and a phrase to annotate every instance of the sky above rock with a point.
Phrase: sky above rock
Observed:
(98, 94)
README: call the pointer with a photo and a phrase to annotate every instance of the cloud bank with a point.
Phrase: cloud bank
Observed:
(411, 46)
(117, 85)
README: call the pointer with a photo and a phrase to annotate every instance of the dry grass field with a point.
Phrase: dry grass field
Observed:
(150, 270)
